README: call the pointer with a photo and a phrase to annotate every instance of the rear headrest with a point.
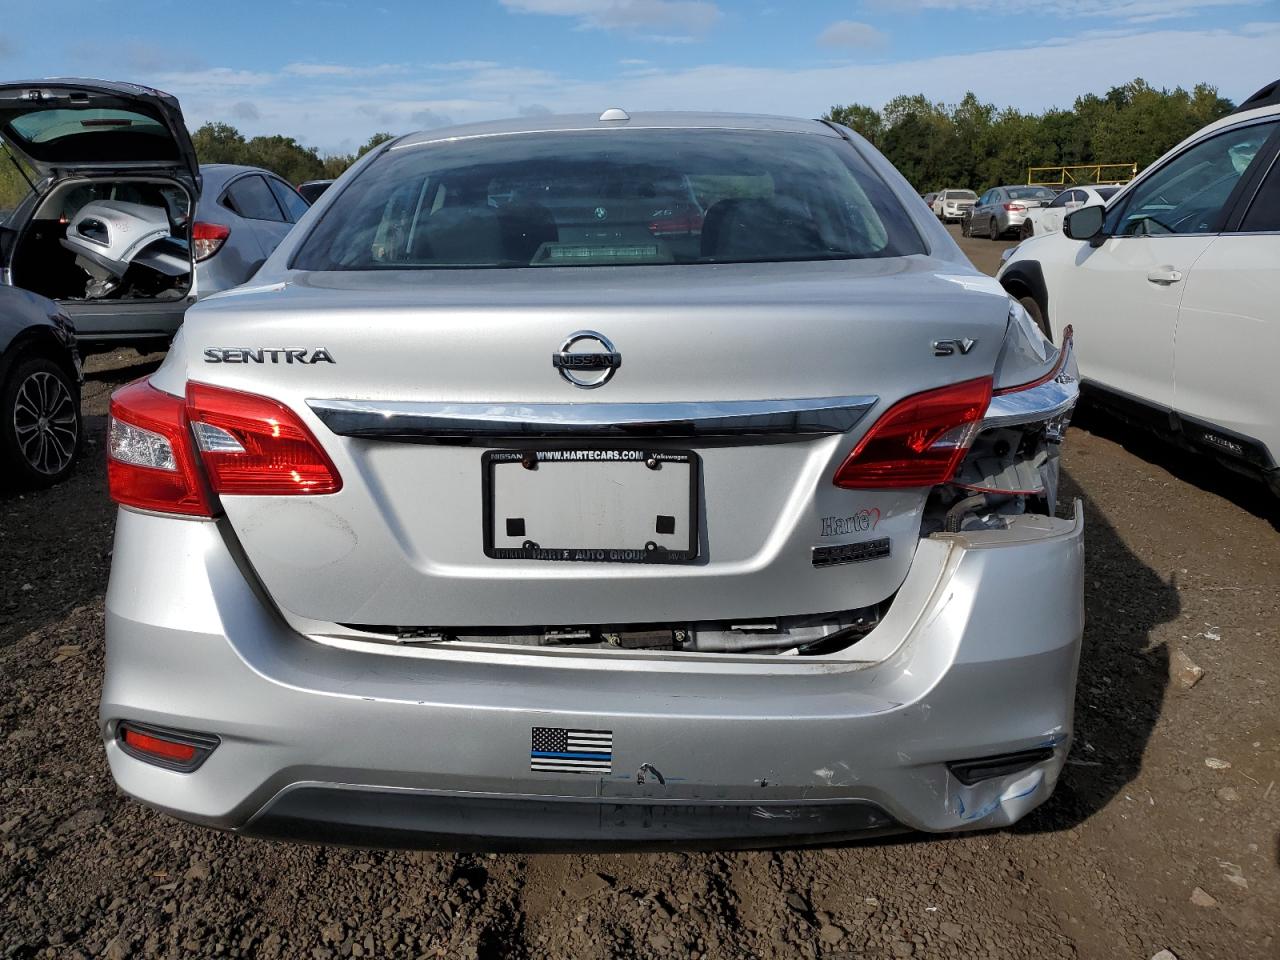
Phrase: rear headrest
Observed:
(757, 229)
(459, 235)
(526, 226)
(482, 234)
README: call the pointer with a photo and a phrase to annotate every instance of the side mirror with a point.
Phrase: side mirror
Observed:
(1084, 224)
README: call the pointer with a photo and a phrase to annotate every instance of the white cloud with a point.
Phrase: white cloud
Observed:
(212, 79)
(663, 20)
(333, 115)
(453, 65)
(851, 33)
(1132, 11)
(341, 70)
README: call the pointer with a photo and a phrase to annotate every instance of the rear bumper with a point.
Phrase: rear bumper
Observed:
(431, 747)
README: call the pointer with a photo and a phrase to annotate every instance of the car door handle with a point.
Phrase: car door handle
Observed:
(1164, 277)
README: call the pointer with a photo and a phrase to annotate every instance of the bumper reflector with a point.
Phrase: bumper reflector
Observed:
(970, 772)
(174, 749)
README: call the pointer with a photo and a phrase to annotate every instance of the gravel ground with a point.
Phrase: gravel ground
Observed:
(1162, 835)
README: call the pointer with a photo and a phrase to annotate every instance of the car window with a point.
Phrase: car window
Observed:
(623, 198)
(1029, 193)
(1264, 211)
(252, 198)
(1062, 199)
(290, 201)
(1190, 192)
(1106, 193)
(960, 194)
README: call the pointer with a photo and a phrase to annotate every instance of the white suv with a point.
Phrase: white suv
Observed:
(1172, 290)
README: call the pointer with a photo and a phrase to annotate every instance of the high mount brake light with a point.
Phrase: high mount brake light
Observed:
(207, 239)
(256, 446)
(920, 440)
(150, 461)
(248, 444)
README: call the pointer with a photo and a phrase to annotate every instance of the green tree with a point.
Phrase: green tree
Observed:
(975, 144)
(286, 157)
(375, 140)
(860, 118)
(219, 143)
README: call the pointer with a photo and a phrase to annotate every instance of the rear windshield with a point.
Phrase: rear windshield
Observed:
(1106, 193)
(90, 133)
(961, 195)
(609, 198)
(1030, 193)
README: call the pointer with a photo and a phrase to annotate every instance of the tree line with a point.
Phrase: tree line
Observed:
(285, 156)
(977, 145)
(935, 145)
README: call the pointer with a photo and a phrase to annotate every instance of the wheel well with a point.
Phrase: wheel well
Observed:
(37, 342)
(1025, 279)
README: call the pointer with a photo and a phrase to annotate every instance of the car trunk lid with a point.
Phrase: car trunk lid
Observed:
(59, 126)
(761, 376)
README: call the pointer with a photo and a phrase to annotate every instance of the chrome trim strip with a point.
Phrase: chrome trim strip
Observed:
(1053, 398)
(414, 421)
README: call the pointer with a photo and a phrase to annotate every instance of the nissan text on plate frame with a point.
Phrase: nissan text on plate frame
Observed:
(791, 573)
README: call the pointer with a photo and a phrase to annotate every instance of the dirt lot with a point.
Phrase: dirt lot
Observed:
(1163, 834)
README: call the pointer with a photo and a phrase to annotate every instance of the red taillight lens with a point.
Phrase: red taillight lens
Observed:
(1015, 206)
(207, 239)
(919, 441)
(165, 749)
(255, 445)
(150, 464)
(174, 749)
(676, 223)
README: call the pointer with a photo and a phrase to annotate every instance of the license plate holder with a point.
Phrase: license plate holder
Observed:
(591, 505)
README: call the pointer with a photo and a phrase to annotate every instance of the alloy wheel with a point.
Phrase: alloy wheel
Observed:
(45, 423)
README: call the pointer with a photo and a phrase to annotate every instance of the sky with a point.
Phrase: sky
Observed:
(332, 72)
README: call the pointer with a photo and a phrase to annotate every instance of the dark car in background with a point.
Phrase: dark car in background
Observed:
(312, 189)
(121, 226)
(40, 429)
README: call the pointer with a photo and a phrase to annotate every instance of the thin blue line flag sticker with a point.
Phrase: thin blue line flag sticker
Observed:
(558, 750)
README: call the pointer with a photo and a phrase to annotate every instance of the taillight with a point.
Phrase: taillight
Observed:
(669, 223)
(255, 445)
(207, 239)
(1015, 206)
(150, 463)
(919, 441)
(248, 444)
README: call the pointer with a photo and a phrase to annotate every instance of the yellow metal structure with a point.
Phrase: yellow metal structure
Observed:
(1081, 175)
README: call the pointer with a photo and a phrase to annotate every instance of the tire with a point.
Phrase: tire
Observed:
(1033, 308)
(40, 428)
(994, 233)
(965, 231)
(1027, 231)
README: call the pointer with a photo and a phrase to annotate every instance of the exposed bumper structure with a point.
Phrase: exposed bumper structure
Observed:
(348, 741)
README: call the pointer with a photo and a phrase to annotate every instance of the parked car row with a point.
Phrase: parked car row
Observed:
(1048, 219)
(120, 232)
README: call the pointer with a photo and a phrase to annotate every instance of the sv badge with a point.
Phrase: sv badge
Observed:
(947, 348)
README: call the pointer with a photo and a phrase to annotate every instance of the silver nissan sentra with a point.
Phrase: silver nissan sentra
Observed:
(652, 480)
